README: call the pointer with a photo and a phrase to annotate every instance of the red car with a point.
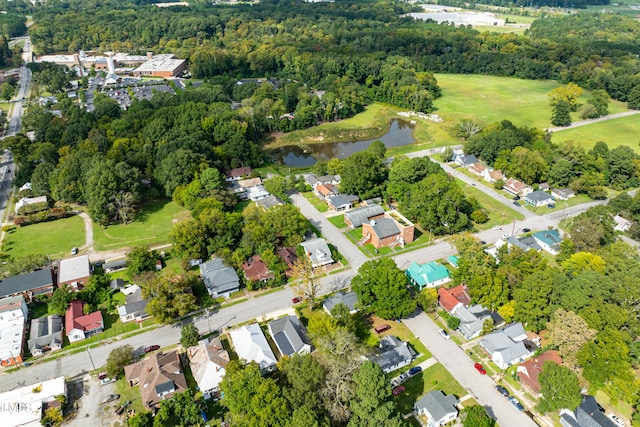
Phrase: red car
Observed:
(398, 390)
(296, 300)
(151, 348)
(480, 368)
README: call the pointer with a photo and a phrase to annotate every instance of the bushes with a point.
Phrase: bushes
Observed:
(33, 207)
(43, 216)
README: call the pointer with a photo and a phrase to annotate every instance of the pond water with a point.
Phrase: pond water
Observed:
(400, 133)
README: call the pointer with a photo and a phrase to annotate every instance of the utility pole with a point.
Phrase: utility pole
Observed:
(91, 359)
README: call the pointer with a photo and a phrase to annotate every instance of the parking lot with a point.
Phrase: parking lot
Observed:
(90, 409)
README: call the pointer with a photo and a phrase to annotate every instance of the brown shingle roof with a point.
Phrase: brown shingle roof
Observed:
(156, 370)
(530, 370)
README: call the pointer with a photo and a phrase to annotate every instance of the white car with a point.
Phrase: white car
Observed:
(617, 421)
(106, 381)
(444, 334)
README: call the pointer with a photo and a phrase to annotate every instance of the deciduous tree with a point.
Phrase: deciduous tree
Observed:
(118, 359)
(569, 332)
(141, 259)
(189, 335)
(560, 388)
(477, 416)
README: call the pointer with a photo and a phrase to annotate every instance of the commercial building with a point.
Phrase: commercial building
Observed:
(13, 318)
(161, 66)
(24, 406)
(74, 272)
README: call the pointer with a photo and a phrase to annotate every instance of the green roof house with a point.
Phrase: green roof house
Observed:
(453, 260)
(427, 275)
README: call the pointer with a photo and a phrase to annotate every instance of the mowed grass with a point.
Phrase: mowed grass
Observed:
(435, 377)
(54, 238)
(499, 214)
(615, 132)
(492, 99)
(151, 227)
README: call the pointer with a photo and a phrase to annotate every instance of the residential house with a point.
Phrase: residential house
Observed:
(477, 169)
(525, 243)
(588, 414)
(74, 272)
(453, 298)
(219, 279)
(323, 191)
(269, 202)
(208, 361)
(318, 252)
(389, 230)
(24, 406)
(539, 198)
(464, 160)
(78, 325)
(13, 321)
(544, 186)
(516, 187)
(111, 266)
(529, 371)
(341, 202)
(472, 320)
(394, 354)
(159, 375)
(255, 193)
(507, 346)
(248, 182)
(29, 285)
(621, 224)
(439, 408)
(428, 275)
(238, 173)
(562, 193)
(548, 240)
(116, 284)
(252, 346)
(135, 307)
(493, 176)
(289, 257)
(256, 270)
(356, 217)
(314, 180)
(45, 335)
(288, 336)
(453, 260)
(347, 298)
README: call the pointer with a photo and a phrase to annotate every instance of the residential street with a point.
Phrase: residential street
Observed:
(461, 367)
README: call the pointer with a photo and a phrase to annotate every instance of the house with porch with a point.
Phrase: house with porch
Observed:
(219, 279)
(389, 230)
(440, 409)
(256, 270)
(159, 375)
(539, 198)
(428, 275)
(453, 298)
(506, 346)
(516, 187)
(208, 361)
(529, 371)
(356, 217)
(288, 335)
(394, 354)
(80, 326)
(548, 240)
(252, 346)
(318, 252)
(45, 335)
(341, 202)
(562, 193)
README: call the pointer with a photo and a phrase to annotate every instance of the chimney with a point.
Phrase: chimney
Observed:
(149, 55)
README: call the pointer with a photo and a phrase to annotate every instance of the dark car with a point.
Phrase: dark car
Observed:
(151, 348)
(480, 368)
(415, 370)
(482, 242)
(526, 230)
(516, 403)
(516, 197)
(102, 375)
(517, 203)
(111, 398)
(503, 391)
(398, 390)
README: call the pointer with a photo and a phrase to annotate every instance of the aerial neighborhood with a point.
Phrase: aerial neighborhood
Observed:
(319, 213)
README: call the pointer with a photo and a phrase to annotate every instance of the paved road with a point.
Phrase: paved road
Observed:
(459, 365)
(590, 121)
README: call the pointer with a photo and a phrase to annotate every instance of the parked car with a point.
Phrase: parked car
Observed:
(516, 197)
(25, 364)
(106, 381)
(517, 203)
(381, 328)
(444, 334)
(119, 410)
(480, 368)
(74, 251)
(526, 230)
(111, 398)
(403, 376)
(516, 403)
(616, 420)
(497, 227)
(503, 391)
(151, 348)
(415, 370)
(296, 300)
(398, 390)
(482, 242)
(102, 375)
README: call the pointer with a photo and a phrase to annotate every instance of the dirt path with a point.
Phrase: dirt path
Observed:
(590, 121)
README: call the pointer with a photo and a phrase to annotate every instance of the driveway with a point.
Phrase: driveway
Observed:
(90, 409)
(459, 365)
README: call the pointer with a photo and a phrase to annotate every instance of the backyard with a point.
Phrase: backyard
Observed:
(54, 238)
(435, 377)
(151, 227)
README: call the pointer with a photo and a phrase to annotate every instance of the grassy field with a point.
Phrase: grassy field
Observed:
(54, 238)
(615, 132)
(492, 99)
(435, 377)
(499, 214)
(151, 227)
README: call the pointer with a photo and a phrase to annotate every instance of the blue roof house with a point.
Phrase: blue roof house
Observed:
(427, 275)
(548, 240)
(453, 260)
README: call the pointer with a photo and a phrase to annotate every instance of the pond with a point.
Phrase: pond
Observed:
(400, 133)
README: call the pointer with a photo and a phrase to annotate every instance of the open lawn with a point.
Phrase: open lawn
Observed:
(320, 205)
(615, 132)
(129, 394)
(493, 99)
(435, 377)
(54, 238)
(499, 214)
(338, 221)
(152, 227)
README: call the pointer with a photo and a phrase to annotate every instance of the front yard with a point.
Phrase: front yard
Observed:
(435, 377)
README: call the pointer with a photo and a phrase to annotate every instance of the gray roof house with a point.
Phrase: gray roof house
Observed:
(135, 307)
(439, 408)
(506, 346)
(524, 243)
(347, 298)
(588, 414)
(318, 252)
(472, 319)
(269, 202)
(45, 334)
(356, 217)
(341, 202)
(538, 198)
(394, 354)
(219, 279)
(288, 335)
(39, 282)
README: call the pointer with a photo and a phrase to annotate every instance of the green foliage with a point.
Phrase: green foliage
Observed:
(405, 172)
(561, 114)
(59, 300)
(477, 416)
(453, 322)
(171, 297)
(560, 388)
(382, 288)
(189, 335)
(372, 404)
(118, 359)
(363, 174)
(182, 409)
(141, 419)
(52, 417)
(568, 94)
(23, 264)
(479, 216)
(141, 259)
(427, 299)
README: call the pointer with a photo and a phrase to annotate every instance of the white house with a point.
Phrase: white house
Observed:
(208, 360)
(394, 354)
(538, 198)
(621, 223)
(289, 337)
(506, 347)
(251, 346)
(24, 406)
(439, 408)
(562, 193)
(318, 252)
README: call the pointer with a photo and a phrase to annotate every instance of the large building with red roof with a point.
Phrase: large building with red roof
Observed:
(529, 371)
(80, 326)
(453, 298)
